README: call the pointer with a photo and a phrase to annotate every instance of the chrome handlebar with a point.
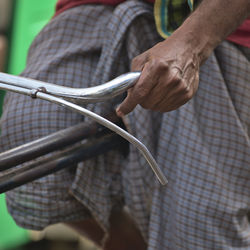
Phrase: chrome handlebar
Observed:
(61, 95)
(85, 95)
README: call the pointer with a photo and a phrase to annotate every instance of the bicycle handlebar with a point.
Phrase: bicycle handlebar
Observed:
(86, 95)
(52, 92)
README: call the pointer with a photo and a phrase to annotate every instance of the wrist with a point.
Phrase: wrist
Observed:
(199, 38)
(211, 23)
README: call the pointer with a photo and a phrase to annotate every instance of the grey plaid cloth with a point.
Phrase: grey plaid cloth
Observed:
(203, 147)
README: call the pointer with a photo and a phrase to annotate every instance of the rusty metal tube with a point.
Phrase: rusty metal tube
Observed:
(52, 142)
(59, 161)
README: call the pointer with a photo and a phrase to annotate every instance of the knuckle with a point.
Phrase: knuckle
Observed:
(188, 95)
(178, 80)
(138, 61)
(160, 65)
(157, 65)
(185, 87)
(141, 94)
(134, 65)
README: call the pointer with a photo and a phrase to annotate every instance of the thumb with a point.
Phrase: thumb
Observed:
(126, 106)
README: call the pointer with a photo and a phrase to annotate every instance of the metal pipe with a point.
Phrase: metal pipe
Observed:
(52, 142)
(45, 96)
(86, 95)
(59, 161)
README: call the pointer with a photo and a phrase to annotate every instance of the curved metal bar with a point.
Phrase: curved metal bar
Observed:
(86, 95)
(140, 146)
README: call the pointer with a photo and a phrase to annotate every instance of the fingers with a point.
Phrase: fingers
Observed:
(183, 91)
(166, 82)
(128, 104)
(142, 89)
(167, 85)
(139, 61)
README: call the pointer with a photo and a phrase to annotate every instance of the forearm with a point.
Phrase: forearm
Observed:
(211, 23)
(170, 69)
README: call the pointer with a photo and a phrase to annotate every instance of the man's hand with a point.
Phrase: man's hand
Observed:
(170, 76)
(170, 70)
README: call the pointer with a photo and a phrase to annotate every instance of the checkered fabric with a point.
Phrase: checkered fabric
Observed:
(203, 147)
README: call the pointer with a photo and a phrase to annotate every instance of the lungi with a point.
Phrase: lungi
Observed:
(203, 147)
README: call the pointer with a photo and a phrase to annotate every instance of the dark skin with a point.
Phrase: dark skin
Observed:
(123, 233)
(169, 79)
(170, 69)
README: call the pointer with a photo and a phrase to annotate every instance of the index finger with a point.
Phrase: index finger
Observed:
(140, 91)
